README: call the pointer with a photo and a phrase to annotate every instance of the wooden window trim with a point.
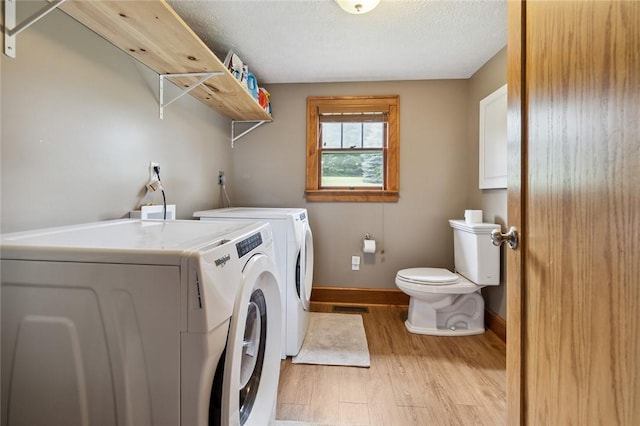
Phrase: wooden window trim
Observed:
(391, 190)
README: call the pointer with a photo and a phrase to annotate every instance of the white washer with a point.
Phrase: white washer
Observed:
(294, 261)
(128, 322)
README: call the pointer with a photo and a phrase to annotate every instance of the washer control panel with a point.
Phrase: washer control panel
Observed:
(248, 244)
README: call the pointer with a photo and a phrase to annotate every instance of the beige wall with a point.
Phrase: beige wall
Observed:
(269, 170)
(80, 126)
(438, 178)
(493, 202)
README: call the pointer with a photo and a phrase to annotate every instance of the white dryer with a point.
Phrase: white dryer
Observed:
(129, 322)
(294, 262)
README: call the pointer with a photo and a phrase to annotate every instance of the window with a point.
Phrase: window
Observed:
(352, 148)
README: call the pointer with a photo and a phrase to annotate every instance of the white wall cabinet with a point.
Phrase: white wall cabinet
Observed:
(493, 140)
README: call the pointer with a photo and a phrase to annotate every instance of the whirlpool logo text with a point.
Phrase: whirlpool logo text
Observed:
(224, 259)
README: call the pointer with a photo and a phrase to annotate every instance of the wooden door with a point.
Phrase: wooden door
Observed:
(573, 308)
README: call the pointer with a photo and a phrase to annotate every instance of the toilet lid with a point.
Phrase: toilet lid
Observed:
(434, 276)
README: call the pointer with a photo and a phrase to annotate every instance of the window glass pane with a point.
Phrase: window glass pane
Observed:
(331, 135)
(352, 169)
(352, 135)
(373, 135)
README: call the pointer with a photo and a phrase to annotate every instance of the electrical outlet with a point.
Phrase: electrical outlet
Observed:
(355, 263)
(152, 173)
(154, 180)
(221, 178)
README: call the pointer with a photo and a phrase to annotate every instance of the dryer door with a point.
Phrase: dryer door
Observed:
(304, 269)
(252, 363)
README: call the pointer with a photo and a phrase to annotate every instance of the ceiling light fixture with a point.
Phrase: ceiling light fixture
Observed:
(357, 7)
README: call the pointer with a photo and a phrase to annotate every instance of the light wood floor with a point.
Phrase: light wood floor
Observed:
(413, 380)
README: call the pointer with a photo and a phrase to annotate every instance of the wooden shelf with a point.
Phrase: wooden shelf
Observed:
(154, 34)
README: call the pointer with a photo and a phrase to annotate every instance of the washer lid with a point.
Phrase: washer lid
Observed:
(251, 213)
(435, 276)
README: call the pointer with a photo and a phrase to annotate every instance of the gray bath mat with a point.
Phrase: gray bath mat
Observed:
(334, 339)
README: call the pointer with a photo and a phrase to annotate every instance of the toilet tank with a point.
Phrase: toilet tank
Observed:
(476, 258)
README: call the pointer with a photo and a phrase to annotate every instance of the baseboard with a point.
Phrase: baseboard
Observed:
(390, 296)
(359, 296)
(495, 323)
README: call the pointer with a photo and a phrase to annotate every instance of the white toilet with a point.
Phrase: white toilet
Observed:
(444, 303)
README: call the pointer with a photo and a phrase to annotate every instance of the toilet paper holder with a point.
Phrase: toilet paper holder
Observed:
(368, 244)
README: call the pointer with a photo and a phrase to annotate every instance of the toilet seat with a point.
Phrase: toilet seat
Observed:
(428, 276)
(434, 280)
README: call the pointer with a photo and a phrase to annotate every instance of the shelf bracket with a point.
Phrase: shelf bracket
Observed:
(249, 130)
(204, 77)
(11, 30)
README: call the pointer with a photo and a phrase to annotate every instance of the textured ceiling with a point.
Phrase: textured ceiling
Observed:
(293, 41)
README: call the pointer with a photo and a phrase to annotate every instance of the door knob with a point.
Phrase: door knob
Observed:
(510, 237)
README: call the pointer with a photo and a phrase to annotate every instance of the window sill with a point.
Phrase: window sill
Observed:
(352, 195)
